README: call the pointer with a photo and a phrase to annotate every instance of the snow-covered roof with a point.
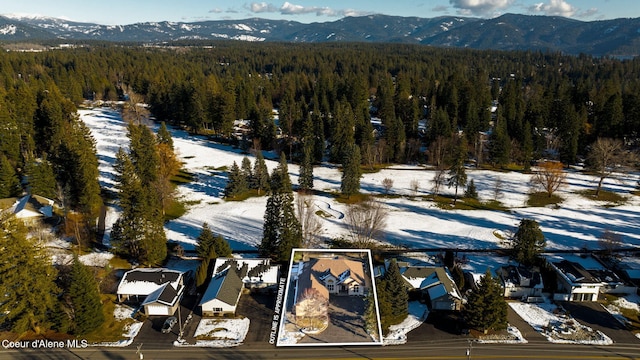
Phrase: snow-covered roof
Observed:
(258, 270)
(165, 294)
(144, 281)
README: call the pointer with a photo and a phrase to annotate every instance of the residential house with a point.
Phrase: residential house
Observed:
(582, 278)
(574, 282)
(329, 276)
(258, 273)
(30, 208)
(434, 285)
(521, 282)
(158, 290)
(223, 293)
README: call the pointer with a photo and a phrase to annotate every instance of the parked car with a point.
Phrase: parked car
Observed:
(169, 324)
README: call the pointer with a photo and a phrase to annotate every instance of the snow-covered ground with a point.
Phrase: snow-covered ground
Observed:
(398, 333)
(412, 221)
(220, 332)
(557, 326)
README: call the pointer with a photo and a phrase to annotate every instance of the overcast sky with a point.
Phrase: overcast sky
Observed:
(122, 12)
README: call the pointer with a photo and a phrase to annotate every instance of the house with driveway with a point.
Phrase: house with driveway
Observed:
(434, 285)
(157, 290)
(521, 282)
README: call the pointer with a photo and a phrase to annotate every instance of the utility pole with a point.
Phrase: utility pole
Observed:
(469, 349)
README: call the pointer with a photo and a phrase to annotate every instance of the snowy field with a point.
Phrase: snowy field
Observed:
(412, 222)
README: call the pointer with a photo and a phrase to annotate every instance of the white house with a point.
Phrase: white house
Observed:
(520, 282)
(30, 208)
(222, 294)
(158, 290)
(575, 283)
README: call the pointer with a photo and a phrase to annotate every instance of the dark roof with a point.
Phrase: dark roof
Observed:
(225, 286)
(166, 294)
(575, 272)
(157, 276)
(513, 273)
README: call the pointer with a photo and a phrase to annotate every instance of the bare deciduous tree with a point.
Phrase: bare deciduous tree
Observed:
(606, 157)
(439, 178)
(549, 177)
(133, 109)
(414, 185)
(387, 184)
(366, 222)
(311, 226)
(498, 186)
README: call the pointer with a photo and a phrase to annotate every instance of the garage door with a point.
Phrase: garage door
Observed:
(156, 310)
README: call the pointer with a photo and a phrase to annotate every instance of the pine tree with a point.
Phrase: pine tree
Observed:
(206, 243)
(398, 295)
(527, 147)
(246, 172)
(41, 178)
(85, 299)
(164, 136)
(306, 164)
(260, 174)
(9, 182)
(27, 280)
(351, 172)
(282, 231)
(202, 272)
(486, 308)
(221, 246)
(528, 242)
(471, 192)
(237, 183)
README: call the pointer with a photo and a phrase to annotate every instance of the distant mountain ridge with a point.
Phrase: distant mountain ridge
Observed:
(617, 37)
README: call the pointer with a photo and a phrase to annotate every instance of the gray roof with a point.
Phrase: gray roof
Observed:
(224, 286)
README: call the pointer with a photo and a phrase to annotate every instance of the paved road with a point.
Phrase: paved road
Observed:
(454, 349)
(594, 316)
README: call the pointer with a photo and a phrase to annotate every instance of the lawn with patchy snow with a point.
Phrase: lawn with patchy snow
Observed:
(221, 332)
(397, 334)
(558, 327)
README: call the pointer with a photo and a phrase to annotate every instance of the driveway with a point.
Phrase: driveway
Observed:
(346, 323)
(592, 314)
(259, 309)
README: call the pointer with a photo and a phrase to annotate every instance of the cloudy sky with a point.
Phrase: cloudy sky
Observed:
(123, 12)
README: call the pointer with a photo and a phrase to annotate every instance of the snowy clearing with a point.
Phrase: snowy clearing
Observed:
(412, 222)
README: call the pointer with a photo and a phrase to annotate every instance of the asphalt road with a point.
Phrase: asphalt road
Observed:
(455, 349)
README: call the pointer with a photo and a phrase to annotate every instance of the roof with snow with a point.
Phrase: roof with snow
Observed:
(30, 206)
(144, 281)
(165, 294)
(257, 270)
(435, 280)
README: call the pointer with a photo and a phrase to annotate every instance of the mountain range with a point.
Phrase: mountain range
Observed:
(616, 37)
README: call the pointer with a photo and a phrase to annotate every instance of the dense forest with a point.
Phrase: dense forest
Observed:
(510, 108)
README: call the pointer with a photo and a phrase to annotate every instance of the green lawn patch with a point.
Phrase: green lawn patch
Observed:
(542, 199)
(353, 199)
(614, 199)
(245, 195)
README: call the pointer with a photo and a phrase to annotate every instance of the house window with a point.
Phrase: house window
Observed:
(217, 309)
(356, 288)
(330, 286)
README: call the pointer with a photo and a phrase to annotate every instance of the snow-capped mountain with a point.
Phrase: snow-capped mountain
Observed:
(507, 32)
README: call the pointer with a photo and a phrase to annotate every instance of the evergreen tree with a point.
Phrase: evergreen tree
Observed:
(41, 178)
(528, 242)
(457, 172)
(9, 182)
(499, 143)
(27, 280)
(237, 183)
(260, 174)
(471, 192)
(527, 147)
(486, 308)
(282, 231)
(206, 243)
(202, 272)
(246, 172)
(164, 136)
(393, 298)
(306, 165)
(221, 246)
(85, 299)
(351, 172)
